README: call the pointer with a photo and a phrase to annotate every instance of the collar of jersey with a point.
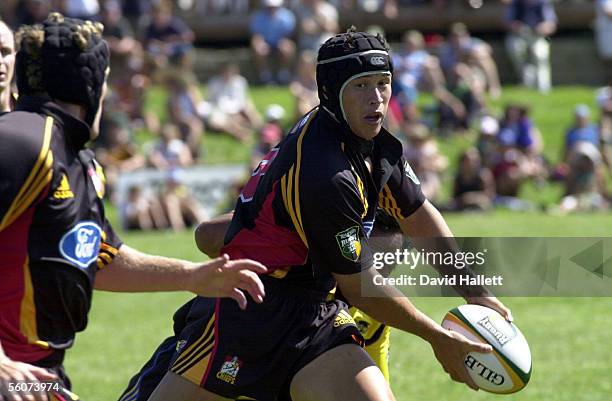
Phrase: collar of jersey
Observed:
(77, 131)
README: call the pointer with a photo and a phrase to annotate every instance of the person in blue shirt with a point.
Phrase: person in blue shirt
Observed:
(272, 28)
(581, 131)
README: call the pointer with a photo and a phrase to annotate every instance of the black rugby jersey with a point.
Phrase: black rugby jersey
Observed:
(309, 206)
(53, 232)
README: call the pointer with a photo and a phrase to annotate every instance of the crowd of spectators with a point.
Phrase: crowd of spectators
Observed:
(152, 47)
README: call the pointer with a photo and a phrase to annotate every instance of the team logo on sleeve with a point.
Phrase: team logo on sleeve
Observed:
(348, 241)
(81, 244)
(408, 171)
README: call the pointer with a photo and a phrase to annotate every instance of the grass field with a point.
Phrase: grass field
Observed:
(569, 337)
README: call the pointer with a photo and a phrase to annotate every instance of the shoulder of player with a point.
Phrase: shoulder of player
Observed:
(24, 132)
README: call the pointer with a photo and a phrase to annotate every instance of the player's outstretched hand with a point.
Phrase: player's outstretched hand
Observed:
(222, 277)
(493, 303)
(18, 381)
(451, 348)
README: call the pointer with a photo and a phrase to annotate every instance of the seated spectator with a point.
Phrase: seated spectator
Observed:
(508, 169)
(425, 159)
(142, 212)
(317, 22)
(119, 155)
(272, 28)
(487, 140)
(474, 187)
(182, 208)
(461, 102)
(517, 130)
(304, 85)
(170, 152)
(585, 184)
(415, 70)
(183, 99)
(461, 47)
(581, 131)
(529, 23)
(228, 106)
(125, 50)
(270, 135)
(167, 38)
(604, 102)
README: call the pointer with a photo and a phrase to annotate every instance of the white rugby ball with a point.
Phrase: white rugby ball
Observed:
(505, 370)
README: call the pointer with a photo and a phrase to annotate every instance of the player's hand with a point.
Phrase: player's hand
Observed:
(450, 349)
(13, 375)
(222, 277)
(493, 303)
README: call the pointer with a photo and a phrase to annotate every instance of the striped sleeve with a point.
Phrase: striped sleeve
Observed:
(26, 164)
(109, 248)
(402, 195)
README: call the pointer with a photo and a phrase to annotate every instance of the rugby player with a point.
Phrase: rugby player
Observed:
(7, 66)
(306, 214)
(55, 241)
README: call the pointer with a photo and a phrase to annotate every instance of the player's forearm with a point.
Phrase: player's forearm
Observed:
(134, 271)
(388, 305)
(428, 231)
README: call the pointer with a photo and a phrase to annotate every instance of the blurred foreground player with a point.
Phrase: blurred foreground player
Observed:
(306, 213)
(55, 241)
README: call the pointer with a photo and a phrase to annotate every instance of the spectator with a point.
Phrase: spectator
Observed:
(425, 159)
(32, 12)
(304, 85)
(82, 9)
(126, 52)
(217, 7)
(170, 152)
(228, 106)
(581, 131)
(462, 101)
(474, 187)
(415, 69)
(167, 38)
(272, 28)
(585, 185)
(270, 135)
(604, 101)
(487, 140)
(142, 212)
(317, 22)
(183, 99)
(461, 47)
(120, 155)
(603, 31)
(136, 11)
(529, 23)
(7, 66)
(182, 209)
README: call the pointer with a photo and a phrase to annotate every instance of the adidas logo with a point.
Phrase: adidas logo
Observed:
(63, 191)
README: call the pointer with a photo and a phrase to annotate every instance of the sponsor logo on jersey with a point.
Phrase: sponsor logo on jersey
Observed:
(348, 241)
(63, 191)
(410, 174)
(81, 244)
(342, 318)
(489, 324)
(180, 345)
(229, 370)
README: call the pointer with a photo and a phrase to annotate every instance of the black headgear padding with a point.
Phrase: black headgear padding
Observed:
(342, 58)
(70, 72)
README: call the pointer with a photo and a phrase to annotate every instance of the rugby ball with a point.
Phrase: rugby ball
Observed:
(507, 369)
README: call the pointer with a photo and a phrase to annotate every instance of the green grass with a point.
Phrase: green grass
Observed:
(569, 337)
